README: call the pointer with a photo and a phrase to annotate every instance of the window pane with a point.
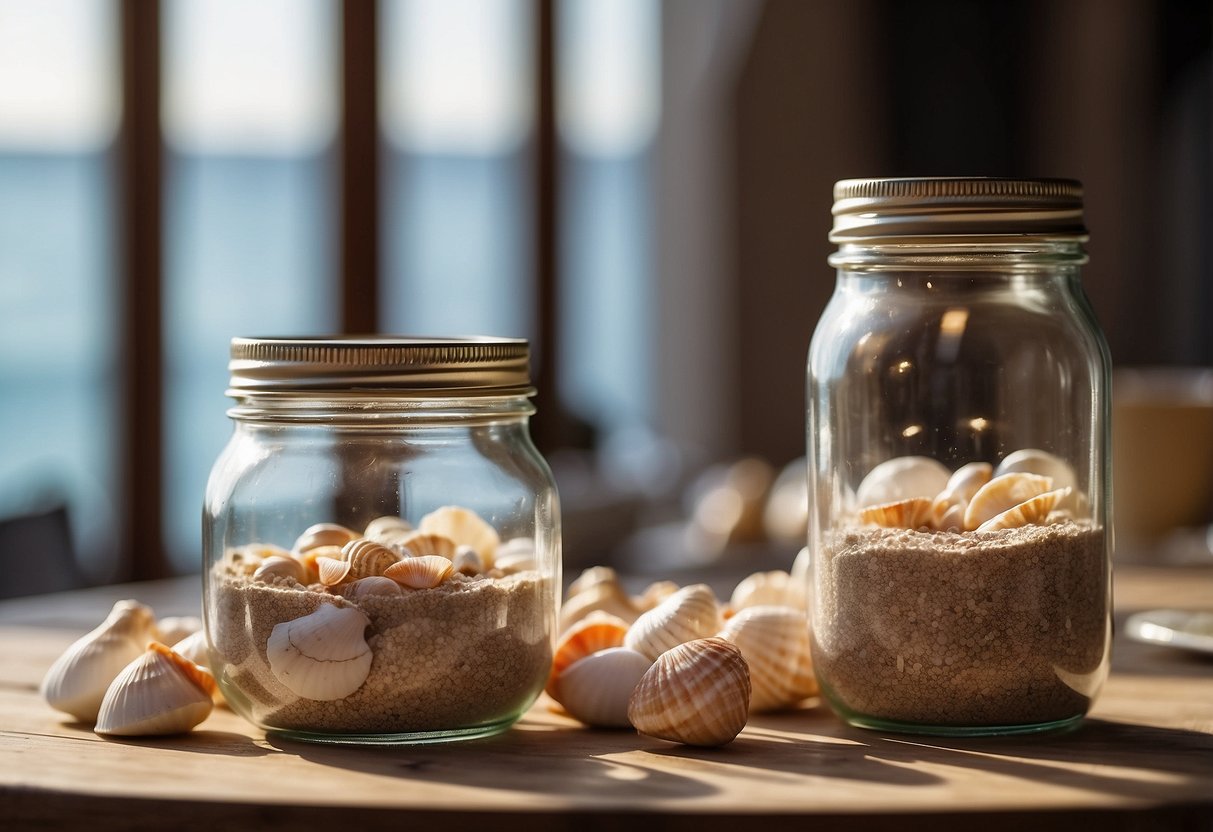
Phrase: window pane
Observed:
(456, 109)
(58, 354)
(249, 107)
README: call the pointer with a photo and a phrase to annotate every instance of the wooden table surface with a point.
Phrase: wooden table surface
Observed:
(1143, 760)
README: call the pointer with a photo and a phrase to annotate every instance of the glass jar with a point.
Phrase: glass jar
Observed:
(958, 441)
(382, 540)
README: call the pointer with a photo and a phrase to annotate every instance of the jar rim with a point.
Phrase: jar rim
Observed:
(412, 366)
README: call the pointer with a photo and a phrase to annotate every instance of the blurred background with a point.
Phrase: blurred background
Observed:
(642, 188)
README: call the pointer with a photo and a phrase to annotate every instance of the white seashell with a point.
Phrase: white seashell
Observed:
(465, 526)
(77, 681)
(1003, 493)
(591, 577)
(158, 693)
(690, 613)
(948, 509)
(786, 516)
(654, 594)
(697, 693)
(1033, 511)
(775, 643)
(321, 656)
(387, 529)
(244, 560)
(174, 628)
(596, 690)
(913, 513)
(323, 534)
(370, 587)
(607, 596)
(516, 555)
(419, 543)
(900, 479)
(424, 572)
(775, 587)
(275, 569)
(466, 561)
(195, 649)
(597, 631)
(1045, 464)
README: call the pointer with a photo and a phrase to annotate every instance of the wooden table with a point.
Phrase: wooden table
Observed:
(1143, 760)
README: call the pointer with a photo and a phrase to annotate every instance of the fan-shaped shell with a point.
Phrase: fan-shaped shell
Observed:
(515, 555)
(697, 693)
(607, 596)
(369, 587)
(1003, 493)
(690, 613)
(1032, 511)
(913, 513)
(76, 683)
(597, 631)
(323, 655)
(596, 690)
(902, 478)
(947, 510)
(591, 577)
(1041, 463)
(465, 526)
(419, 543)
(424, 572)
(311, 560)
(275, 569)
(174, 628)
(387, 529)
(775, 643)
(323, 534)
(762, 588)
(159, 693)
(466, 561)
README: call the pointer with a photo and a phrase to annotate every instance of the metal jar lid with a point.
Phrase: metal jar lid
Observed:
(889, 210)
(430, 367)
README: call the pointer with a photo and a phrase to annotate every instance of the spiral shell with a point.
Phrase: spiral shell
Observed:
(948, 509)
(903, 514)
(763, 588)
(900, 479)
(159, 693)
(1032, 511)
(775, 643)
(596, 690)
(419, 543)
(323, 534)
(424, 572)
(323, 655)
(462, 525)
(367, 558)
(1003, 493)
(275, 569)
(76, 683)
(597, 631)
(690, 613)
(697, 693)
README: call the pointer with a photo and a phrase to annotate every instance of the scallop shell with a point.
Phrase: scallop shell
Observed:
(591, 577)
(77, 681)
(419, 543)
(174, 628)
(913, 513)
(323, 655)
(948, 509)
(690, 613)
(323, 534)
(275, 569)
(158, 693)
(387, 529)
(465, 526)
(367, 558)
(195, 649)
(697, 693)
(654, 594)
(606, 596)
(597, 631)
(902, 478)
(1036, 461)
(763, 588)
(775, 643)
(1030, 512)
(424, 572)
(515, 555)
(369, 587)
(1003, 493)
(466, 561)
(596, 690)
(310, 560)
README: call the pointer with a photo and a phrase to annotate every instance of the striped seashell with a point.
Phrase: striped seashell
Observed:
(775, 643)
(275, 569)
(467, 562)
(589, 578)
(948, 509)
(367, 558)
(310, 560)
(698, 693)
(913, 513)
(597, 689)
(1034, 511)
(322, 655)
(690, 613)
(160, 693)
(654, 594)
(387, 529)
(323, 534)
(419, 543)
(763, 588)
(424, 572)
(372, 586)
(464, 526)
(607, 596)
(597, 631)
(1003, 493)
(900, 479)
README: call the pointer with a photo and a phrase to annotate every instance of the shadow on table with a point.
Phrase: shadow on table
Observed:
(221, 743)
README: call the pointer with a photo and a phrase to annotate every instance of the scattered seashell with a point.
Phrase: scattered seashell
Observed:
(1002, 493)
(419, 543)
(903, 514)
(156, 694)
(323, 534)
(590, 577)
(1030, 512)
(607, 596)
(174, 628)
(275, 569)
(775, 643)
(77, 681)
(310, 560)
(654, 594)
(467, 562)
(902, 478)
(369, 587)
(697, 693)
(323, 655)
(948, 509)
(424, 572)
(387, 529)
(462, 525)
(597, 631)
(775, 587)
(596, 690)
(802, 566)
(195, 649)
(690, 613)
(515, 555)
(786, 516)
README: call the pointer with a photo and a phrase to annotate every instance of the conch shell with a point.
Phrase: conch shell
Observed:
(77, 681)
(903, 514)
(465, 526)
(596, 690)
(690, 613)
(323, 655)
(1032, 511)
(902, 478)
(697, 693)
(424, 572)
(764, 588)
(159, 693)
(419, 543)
(274, 569)
(323, 534)
(1002, 493)
(597, 631)
(948, 509)
(775, 643)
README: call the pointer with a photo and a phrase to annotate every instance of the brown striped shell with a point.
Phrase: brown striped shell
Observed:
(424, 572)
(903, 514)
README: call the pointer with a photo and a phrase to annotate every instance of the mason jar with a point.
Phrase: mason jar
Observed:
(958, 444)
(381, 539)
